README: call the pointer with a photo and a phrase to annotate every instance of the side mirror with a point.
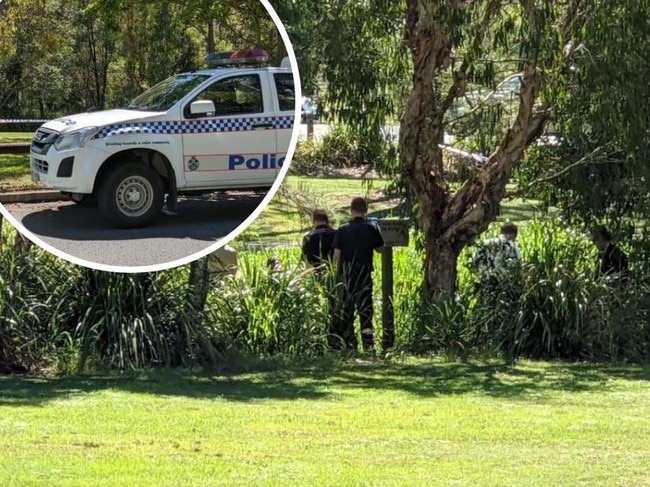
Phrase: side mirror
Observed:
(202, 107)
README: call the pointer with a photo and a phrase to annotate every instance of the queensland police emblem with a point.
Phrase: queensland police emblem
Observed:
(193, 164)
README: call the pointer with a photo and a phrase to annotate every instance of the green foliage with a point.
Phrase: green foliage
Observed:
(602, 115)
(340, 148)
(552, 308)
(265, 313)
(353, 56)
(54, 313)
(84, 54)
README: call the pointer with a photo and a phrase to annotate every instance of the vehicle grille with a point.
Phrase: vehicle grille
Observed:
(43, 140)
(40, 165)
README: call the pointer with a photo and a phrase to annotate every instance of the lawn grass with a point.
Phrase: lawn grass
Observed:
(6, 137)
(418, 422)
(15, 174)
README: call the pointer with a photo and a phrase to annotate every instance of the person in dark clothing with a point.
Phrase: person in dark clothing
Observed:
(354, 243)
(317, 247)
(611, 259)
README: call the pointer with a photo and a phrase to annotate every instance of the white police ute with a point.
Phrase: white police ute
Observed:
(223, 128)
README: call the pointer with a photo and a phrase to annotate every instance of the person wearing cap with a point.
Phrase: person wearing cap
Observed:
(496, 256)
(612, 261)
(354, 244)
(317, 248)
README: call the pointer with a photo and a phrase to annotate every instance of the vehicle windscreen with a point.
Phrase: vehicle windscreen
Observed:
(165, 94)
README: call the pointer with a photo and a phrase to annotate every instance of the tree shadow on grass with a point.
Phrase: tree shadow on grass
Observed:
(35, 391)
(400, 210)
(494, 380)
(424, 379)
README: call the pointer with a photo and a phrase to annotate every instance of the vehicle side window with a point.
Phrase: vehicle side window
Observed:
(286, 91)
(237, 95)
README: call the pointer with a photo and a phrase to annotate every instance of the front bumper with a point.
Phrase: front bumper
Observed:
(64, 171)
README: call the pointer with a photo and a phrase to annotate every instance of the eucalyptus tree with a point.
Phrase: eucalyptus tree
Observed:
(454, 37)
(369, 48)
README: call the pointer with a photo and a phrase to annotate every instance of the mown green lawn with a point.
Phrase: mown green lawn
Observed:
(420, 422)
(6, 137)
(15, 174)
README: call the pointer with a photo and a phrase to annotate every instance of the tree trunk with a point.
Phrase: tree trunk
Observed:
(451, 222)
(281, 50)
(421, 133)
(441, 271)
(198, 288)
(211, 44)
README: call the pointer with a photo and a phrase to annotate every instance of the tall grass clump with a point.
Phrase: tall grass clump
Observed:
(28, 280)
(131, 320)
(266, 313)
(552, 307)
(56, 314)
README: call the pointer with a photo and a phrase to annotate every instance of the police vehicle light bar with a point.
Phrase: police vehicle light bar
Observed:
(250, 57)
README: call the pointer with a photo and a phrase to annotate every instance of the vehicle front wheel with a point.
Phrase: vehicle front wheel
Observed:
(84, 200)
(130, 195)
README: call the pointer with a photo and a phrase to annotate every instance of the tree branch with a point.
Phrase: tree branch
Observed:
(583, 161)
(459, 84)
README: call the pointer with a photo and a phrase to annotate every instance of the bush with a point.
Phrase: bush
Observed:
(263, 313)
(339, 149)
(551, 308)
(55, 313)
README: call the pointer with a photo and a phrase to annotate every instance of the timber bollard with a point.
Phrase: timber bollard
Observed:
(396, 234)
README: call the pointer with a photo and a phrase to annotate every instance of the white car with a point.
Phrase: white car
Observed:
(217, 129)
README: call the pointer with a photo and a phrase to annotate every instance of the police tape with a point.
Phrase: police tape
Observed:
(21, 120)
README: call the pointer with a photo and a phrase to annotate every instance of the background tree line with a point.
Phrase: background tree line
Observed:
(59, 57)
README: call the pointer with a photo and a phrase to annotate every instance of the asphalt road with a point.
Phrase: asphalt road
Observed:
(81, 231)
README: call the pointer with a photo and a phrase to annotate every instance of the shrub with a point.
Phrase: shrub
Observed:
(338, 149)
(266, 313)
(552, 308)
(53, 312)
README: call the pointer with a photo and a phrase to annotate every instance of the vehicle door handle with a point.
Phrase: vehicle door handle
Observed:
(262, 125)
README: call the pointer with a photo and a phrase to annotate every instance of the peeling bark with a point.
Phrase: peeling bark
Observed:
(451, 222)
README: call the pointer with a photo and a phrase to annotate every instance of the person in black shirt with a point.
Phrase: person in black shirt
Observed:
(317, 247)
(354, 243)
(611, 259)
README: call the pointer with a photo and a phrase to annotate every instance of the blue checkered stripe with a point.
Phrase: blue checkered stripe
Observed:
(193, 126)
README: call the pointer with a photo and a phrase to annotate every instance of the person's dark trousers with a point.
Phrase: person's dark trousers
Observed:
(353, 294)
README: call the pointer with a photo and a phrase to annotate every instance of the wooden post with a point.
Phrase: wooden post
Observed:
(395, 234)
(310, 125)
(387, 315)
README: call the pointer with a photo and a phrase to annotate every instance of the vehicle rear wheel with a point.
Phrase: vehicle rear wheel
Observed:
(131, 195)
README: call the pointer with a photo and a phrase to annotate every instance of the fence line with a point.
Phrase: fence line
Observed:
(15, 148)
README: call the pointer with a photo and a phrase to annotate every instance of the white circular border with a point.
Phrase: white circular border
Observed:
(232, 235)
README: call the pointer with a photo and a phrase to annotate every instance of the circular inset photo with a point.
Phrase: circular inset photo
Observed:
(156, 141)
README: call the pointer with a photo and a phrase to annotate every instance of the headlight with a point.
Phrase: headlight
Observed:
(75, 139)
